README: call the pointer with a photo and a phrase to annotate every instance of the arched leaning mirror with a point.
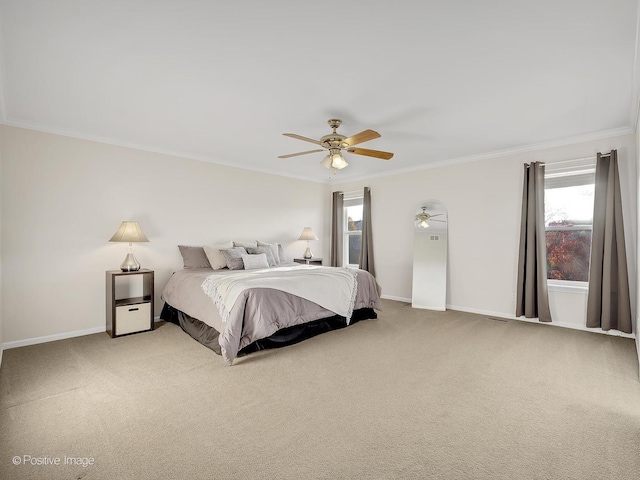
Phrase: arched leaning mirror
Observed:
(430, 256)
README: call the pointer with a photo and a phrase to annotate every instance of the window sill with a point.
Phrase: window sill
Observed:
(564, 286)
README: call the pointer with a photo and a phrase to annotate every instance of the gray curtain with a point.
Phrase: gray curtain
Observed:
(608, 304)
(366, 251)
(532, 295)
(337, 222)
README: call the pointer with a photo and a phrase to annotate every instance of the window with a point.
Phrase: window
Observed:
(352, 230)
(568, 206)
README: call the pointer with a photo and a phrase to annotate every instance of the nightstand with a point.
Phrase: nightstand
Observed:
(128, 314)
(308, 261)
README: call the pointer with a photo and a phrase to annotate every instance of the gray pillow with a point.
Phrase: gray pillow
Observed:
(252, 262)
(234, 257)
(267, 251)
(249, 243)
(194, 257)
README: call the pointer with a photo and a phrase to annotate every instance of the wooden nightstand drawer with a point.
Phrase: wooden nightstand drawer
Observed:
(133, 318)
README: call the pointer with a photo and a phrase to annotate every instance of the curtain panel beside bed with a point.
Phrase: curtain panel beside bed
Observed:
(609, 303)
(337, 208)
(532, 292)
(366, 251)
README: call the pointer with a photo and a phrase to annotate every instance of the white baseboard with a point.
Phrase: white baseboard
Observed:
(573, 326)
(397, 299)
(489, 313)
(53, 338)
(613, 333)
(91, 331)
(454, 307)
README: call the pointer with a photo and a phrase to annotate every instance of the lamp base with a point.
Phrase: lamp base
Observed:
(308, 254)
(130, 264)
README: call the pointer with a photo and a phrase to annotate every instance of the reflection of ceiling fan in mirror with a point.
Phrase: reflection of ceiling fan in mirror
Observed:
(335, 143)
(421, 218)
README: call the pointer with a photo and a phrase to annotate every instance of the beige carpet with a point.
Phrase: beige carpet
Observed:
(414, 394)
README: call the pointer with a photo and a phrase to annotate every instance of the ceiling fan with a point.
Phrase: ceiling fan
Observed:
(335, 143)
(421, 218)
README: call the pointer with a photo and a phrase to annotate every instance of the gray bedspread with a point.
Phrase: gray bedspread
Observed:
(258, 313)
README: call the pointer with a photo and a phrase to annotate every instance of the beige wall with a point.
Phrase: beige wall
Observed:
(483, 199)
(1, 303)
(63, 198)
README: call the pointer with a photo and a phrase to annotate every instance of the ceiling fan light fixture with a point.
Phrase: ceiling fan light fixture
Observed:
(334, 160)
(337, 161)
(336, 143)
(423, 224)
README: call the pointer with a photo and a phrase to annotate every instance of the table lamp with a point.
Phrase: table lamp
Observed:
(307, 234)
(129, 232)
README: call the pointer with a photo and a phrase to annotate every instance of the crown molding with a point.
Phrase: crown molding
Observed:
(453, 161)
(146, 148)
(499, 153)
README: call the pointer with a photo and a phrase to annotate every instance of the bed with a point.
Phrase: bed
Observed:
(267, 308)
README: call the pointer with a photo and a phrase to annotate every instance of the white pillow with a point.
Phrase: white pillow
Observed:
(274, 250)
(266, 250)
(281, 253)
(251, 262)
(215, 257)
(249, 244)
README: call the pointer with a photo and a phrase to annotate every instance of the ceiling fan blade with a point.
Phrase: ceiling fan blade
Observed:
(371, 153)
(434, 220)
(299, 153)
(361, 137)
(300, 137)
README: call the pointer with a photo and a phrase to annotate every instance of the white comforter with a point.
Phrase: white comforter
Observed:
(331, 288)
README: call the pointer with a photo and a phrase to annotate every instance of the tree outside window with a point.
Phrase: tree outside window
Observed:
(568, 225)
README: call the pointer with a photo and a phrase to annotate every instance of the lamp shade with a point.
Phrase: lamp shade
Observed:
(129, 232)
(338, 161)
(307, 234)
(334, 160)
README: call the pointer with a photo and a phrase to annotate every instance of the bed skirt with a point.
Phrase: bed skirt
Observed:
(208, 336)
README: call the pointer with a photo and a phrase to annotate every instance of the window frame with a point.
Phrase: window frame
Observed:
(351, 200)
(569, 177)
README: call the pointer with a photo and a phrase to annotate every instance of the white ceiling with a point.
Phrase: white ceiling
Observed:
(221, 81)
